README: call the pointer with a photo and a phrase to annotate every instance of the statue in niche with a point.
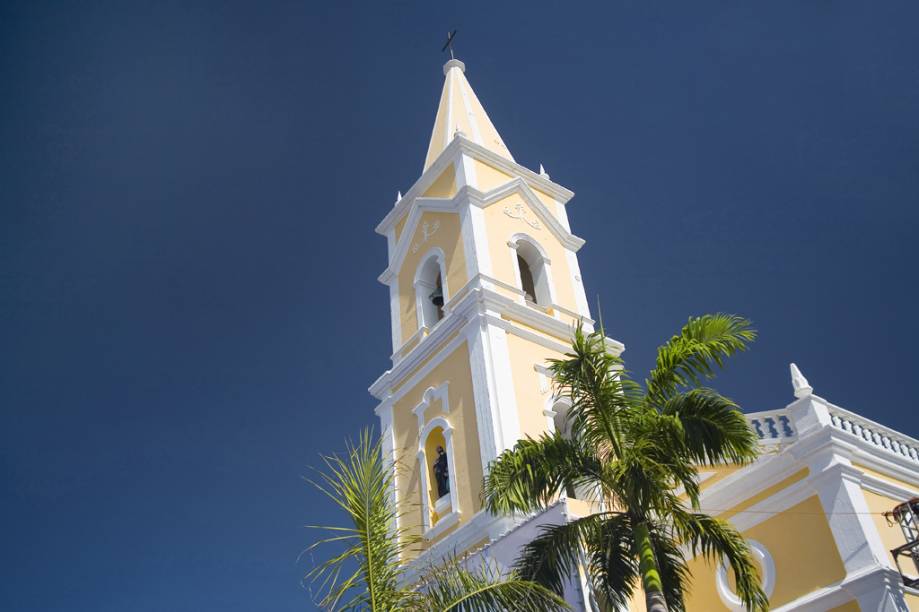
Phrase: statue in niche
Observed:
(441, 473)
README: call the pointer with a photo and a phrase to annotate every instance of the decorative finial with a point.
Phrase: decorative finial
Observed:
(398, 196)
(800, 384)
(542, 172)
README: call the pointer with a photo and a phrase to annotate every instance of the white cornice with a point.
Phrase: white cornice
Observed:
(473, 303)
(462, 145)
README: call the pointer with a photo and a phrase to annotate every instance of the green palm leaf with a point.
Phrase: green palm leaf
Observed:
(714, 429)
(640, 450)
(531, 475)
(692, 355)
(367, 572)
(716, 539)
(359, 483)
(454, 588)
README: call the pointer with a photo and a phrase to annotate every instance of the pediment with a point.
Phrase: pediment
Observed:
(474, 197)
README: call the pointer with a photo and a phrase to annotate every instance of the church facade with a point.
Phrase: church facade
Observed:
(485, 288)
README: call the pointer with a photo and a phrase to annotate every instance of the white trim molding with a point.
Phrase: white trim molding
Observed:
(431, 395)
(424, 286)
(471, 197)
(462, 146)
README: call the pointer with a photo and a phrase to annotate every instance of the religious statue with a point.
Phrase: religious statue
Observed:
(441, 473)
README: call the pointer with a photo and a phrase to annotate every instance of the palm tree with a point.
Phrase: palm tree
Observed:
(636, 449)
(369, 573)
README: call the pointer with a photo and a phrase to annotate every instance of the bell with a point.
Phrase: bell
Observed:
(437, 296)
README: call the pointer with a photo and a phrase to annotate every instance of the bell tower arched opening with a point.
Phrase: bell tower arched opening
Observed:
(430, 289)
(532, 267)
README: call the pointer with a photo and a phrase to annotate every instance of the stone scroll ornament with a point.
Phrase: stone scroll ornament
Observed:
(427, 230)
(519, 212)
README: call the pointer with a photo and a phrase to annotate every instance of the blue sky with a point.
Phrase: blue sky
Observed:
(188, 298)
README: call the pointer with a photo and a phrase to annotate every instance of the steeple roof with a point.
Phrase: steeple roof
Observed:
(460, 111)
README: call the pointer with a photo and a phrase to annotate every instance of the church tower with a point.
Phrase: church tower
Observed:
(484, 288)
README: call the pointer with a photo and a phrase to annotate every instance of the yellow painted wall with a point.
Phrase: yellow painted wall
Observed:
(849, 606)
(912, 601)
(891, 535)
(448, 238)
(487, 177)
(444, 186)
(467, 473)
(720, 473)
(802, 546)
(500, 230)
(548, 200)
(530, 402)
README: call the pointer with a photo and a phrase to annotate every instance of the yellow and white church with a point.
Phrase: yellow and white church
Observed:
(484, 288)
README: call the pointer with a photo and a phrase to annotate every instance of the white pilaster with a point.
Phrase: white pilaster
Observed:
(502, 383)
(838, 485)
(493, 386)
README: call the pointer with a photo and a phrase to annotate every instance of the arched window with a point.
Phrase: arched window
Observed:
(532, 272)
(430, 290)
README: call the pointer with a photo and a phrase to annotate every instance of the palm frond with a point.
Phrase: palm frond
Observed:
(714, 428)
(694, 353)
(552, 556)
(613, 568)
(531, 475)
(454, 588)
(649, 467)
(360, 483)
(716, 539)
(599, 388)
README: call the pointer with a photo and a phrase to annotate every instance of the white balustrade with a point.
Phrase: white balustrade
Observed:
(772, 427)
(874, 433)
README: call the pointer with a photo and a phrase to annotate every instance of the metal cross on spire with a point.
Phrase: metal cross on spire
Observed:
(449, 43)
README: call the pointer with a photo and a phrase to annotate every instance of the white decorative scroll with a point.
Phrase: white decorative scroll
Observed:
(427, 230)
(519, 212)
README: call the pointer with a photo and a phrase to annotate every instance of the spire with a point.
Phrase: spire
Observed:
(800, 384)
(461, 112)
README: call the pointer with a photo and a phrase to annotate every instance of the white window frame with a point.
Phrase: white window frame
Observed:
(541, 269)
(424, 287)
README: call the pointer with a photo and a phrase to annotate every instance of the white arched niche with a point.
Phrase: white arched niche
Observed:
(447, 508)
(431, 282)
(531, 266)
